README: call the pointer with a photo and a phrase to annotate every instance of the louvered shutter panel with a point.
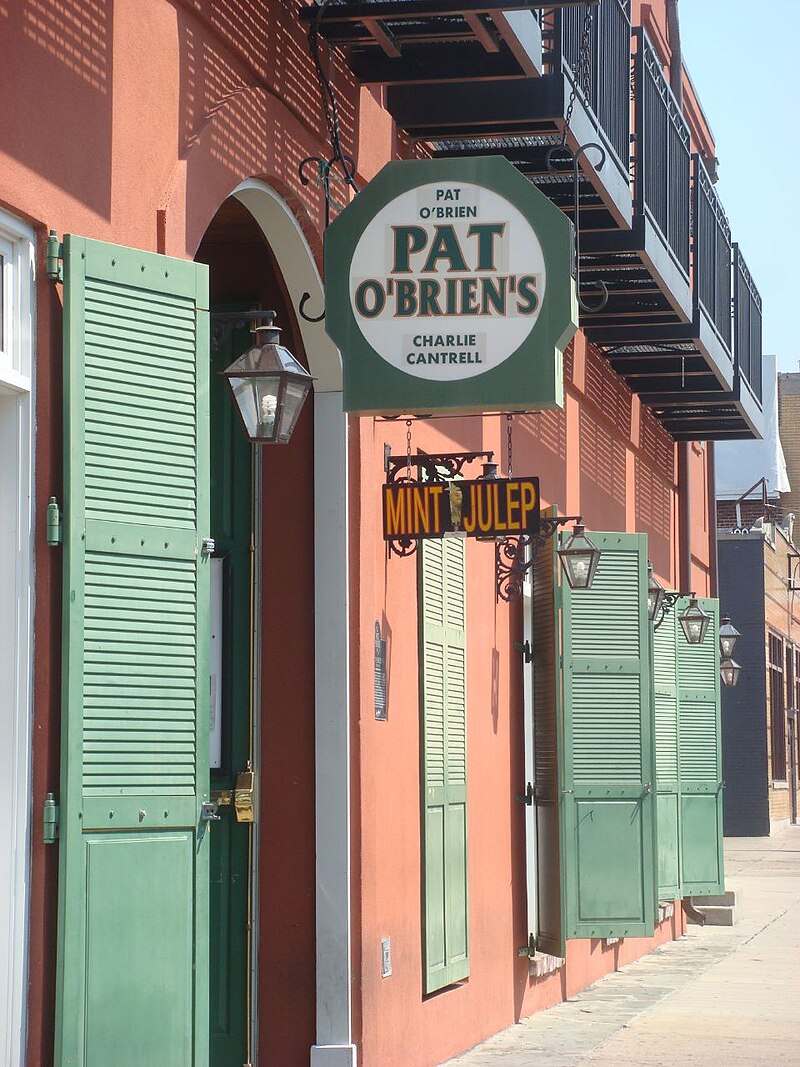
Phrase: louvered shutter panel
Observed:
(665, 715)
(547, 742)
(700, 758)
(607, 799)
(444, 761)
(133, 881)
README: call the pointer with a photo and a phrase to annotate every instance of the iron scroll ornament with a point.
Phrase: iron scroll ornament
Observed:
(323, 175)
(553, 169)
(514, 556)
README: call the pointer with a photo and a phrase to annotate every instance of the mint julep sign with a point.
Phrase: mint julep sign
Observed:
(448, 287)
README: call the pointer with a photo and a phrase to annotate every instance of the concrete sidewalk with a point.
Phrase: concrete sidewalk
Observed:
(720, 997)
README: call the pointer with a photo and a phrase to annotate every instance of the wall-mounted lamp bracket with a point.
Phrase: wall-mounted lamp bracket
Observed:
(513, 561)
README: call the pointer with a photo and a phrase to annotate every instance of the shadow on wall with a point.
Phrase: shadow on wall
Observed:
(246, 73)
(57, 61)
(603, 444)
(654, 481)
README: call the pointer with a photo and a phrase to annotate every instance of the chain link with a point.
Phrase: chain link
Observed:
(583, 73)
(509, 426)
(408, 449)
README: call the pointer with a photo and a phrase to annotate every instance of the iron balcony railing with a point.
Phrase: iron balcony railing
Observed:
(712, 255)
(746, 325)
(608, 81)
(662, 156)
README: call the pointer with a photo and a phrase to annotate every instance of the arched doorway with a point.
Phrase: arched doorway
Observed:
(271, 610)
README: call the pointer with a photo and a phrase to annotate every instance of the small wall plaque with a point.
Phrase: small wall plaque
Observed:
(380, 674)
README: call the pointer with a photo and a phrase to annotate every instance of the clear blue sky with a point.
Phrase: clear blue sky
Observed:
(744, 60)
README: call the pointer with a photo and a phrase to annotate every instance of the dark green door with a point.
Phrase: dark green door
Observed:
(132, 980)
(231, 526)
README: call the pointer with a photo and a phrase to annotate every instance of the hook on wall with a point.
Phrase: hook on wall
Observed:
(304, 299)
(573, 158)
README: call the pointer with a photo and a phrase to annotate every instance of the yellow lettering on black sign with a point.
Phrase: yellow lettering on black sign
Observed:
(504, 507)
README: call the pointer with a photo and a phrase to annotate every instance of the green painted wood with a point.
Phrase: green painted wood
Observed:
(700, 759)
(607, 768)
(442, 604)
(231, 525)
(548, 741)
(665, 716)
(132, 973)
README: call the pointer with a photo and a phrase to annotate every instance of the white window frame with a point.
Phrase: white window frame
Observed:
(17, 246)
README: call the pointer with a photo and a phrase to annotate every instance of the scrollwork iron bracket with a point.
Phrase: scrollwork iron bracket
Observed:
(667, 604)
(574, 158)
(441, 467)
(514, 556)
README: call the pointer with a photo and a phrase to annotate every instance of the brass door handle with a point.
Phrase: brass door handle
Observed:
(244, 796)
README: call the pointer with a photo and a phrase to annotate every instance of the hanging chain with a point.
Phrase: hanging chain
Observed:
(408, 449)
(509, 435)
(583, 71)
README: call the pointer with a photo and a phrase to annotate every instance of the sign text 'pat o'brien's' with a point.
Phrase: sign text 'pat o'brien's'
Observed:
(449, 287)
(482, 508)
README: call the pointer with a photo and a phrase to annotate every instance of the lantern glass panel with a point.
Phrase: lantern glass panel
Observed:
(257, 400)
(655, 598)
(294, 396)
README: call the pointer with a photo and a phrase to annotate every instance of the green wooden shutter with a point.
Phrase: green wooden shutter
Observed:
(132, 983)
(608, 826)
(547, 740)
(665, 714)
(444, 761)
(700, 758)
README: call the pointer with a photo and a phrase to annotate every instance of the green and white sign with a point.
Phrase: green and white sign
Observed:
(449, 287)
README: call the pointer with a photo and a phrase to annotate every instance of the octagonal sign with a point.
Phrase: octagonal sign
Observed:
(449, 287)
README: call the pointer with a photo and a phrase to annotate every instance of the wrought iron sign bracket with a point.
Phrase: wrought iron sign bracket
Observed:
(510, 564)
(324, 173)
(438, 468)
(443, 467)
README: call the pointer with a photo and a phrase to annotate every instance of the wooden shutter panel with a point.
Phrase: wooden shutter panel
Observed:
(444, 761)
(133, 880)
(700, 758)
(607, 809)
(665, 715)
(548, 741)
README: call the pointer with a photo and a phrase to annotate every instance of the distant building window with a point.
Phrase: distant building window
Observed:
(777, 709)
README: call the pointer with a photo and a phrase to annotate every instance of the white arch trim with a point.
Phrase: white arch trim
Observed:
(334, 1045)
(296, 264)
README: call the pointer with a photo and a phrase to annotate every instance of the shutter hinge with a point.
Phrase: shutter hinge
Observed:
(527, 798)
(529, 950)
(54, 262)
(54, 527)
(525, 648)
(50, 820)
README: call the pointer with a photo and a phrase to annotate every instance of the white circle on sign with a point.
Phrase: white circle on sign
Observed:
(447, 281)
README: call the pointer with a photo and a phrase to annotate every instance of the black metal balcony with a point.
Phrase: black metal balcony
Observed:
(646, 268)
(420, 42)
(496, 77)
(735, 413)
(526, 123)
